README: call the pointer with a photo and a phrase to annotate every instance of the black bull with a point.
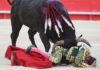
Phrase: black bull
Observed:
(32, 13)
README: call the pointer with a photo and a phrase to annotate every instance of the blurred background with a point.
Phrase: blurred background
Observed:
(78, 9)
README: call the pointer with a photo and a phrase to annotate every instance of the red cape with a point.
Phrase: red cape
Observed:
(35, 59)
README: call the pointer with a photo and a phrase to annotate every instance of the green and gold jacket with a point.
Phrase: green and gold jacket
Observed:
(75, 55)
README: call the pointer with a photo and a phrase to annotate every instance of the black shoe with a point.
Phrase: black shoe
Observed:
(29, 48)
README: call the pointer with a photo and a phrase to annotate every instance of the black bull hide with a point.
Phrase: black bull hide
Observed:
(34, 14)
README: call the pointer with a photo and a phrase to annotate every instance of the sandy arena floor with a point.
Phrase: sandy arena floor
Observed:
(89, 29)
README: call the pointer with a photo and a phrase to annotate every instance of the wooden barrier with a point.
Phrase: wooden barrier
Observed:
(78, 9)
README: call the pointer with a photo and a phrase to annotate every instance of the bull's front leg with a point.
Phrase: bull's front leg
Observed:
(45, 41)
(31, 36)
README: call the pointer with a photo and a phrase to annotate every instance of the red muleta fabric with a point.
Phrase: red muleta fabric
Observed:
(35, 59)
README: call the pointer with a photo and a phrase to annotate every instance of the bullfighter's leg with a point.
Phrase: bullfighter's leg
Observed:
(45, 41)
(31, 36)
(16, 26)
